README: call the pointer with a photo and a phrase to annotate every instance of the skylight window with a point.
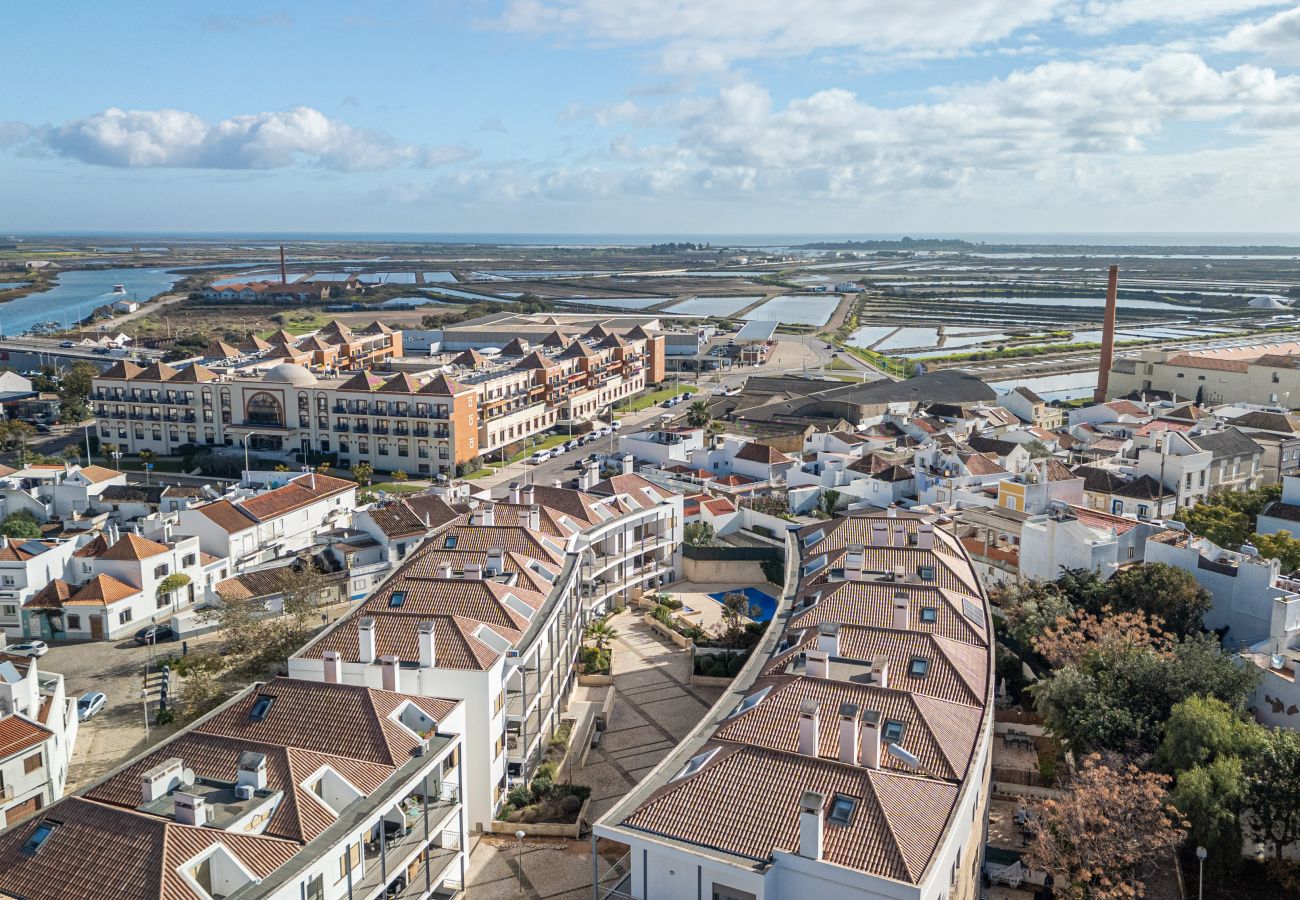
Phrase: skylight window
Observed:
(750, 702)
(39, 837)
(893, 731)
(814, 537)
(815, 565)
(919, 667)
(926, 573)
(397, 599)
(696, 763)
(929, 614)
(449, 543)
(973, 612)
(261, 708)
(843, 808)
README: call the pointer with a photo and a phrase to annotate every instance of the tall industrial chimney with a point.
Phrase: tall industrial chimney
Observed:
(1107, 337)
(284, 276)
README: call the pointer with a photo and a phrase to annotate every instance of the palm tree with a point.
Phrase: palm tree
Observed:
(698, 415)
(601, 633)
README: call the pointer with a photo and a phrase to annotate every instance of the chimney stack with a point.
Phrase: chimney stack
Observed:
(808, 725)
(810, 825)
(900, 619)
(1107, 336)
(849, 733)
(514, 492)
(474, 572)
(535, 517)
(428, 652)
(190, 809)
(880, 671)
(333, 663)
(828, 638)
(529, 496)
(925, 536)
(495, 561)
(817, 663)
(251, 771)
(284, 275)
(444, 570)
(366, 640)
(161, 778)
(629, 465)
(855, 561)
(390, 672)
(869, 751)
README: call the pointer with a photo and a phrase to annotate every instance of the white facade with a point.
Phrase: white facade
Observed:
(35, 776)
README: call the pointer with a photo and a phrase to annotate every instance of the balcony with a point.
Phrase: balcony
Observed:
(401, 835)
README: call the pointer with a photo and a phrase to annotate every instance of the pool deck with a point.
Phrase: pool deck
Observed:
(707, 612)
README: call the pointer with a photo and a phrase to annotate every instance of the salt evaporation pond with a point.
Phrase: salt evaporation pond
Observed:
(713, 306)
(796, 309)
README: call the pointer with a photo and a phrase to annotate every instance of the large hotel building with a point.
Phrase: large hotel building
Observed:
(353, 396)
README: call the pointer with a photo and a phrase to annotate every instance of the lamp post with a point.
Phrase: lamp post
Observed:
(519, 859)
(246, 469)
(1201, 853)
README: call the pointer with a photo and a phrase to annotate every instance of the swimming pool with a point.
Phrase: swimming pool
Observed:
(766, 604)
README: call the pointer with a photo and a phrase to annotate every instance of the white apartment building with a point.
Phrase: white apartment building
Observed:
(291, 790)
(1069, 536)
(38, 728)
(258, 528)
(492, 611)
(26, 567)
(48, 489)
(851, 756)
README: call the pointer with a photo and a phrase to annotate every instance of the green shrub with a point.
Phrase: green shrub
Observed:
(670, 602)
(542, 787)
(546, 770)
(773, 570)
(519, 796)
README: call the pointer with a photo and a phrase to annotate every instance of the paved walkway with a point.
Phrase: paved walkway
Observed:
(655, 708)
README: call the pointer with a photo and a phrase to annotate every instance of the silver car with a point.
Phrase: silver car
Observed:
(90, 704)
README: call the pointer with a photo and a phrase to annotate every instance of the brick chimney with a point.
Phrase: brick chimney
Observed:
(1107, 336)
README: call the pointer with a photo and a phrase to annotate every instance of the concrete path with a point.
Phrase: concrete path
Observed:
(655, 707)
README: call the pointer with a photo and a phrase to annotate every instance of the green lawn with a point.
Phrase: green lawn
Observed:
(546, 443)
(399, 487)
(645, 401)
(837, 363)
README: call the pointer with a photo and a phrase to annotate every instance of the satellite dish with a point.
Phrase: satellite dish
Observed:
(187, 777)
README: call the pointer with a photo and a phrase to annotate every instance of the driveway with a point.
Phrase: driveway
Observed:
(654, 709)
(118, 669)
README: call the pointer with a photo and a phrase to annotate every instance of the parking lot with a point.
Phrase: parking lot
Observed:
(117, 668)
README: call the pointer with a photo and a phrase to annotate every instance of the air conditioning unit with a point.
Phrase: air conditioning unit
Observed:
(244, 791)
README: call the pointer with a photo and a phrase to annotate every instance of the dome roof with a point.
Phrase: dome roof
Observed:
(290, 373)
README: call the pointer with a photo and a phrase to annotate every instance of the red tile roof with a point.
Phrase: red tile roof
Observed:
(18, 734)
(301, 491)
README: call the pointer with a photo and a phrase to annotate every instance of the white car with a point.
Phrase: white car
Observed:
(615, 426)
(28, 648)
(540, 456)
(89, 704)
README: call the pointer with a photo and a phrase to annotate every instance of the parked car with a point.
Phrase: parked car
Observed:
(90, 704)
(155, 634)
(28, 648)
(540, 456)
(65, 345)
(686, 396)
(571, 445)
(614, 426)
(593, 457)
(42, 428)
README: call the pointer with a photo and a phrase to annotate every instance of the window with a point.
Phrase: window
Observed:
(160, 571)
(316, 888)
(189, 560)
(123, 617)
(32, 763)
(926, 573)
(450, 542)
(893, 731)
(695, 763)
(398, 598)
(39, 837)
(350, 861)
(929, 614)
(722, 892)
(1143, 511)
(842, 809)
(261, 708)
(9, 581)
(499, 702)
(750, 702)
(919, 667)
(10, 609)
(74, 622)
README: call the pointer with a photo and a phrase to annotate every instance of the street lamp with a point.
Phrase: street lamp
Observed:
(1201, 853)
(247, 477)
(519, 859)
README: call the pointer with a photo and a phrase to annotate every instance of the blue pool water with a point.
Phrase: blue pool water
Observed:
(765, 604)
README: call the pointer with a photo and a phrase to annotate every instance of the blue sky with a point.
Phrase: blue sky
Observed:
(713, 116)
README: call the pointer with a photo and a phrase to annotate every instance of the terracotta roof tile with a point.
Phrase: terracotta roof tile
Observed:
(226, 516)
(101, 590)
(18, 734)
(301, 491)
(132, 547)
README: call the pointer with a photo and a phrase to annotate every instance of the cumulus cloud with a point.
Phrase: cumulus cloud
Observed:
(1277, 36)
(1107, 15)
(170, 138)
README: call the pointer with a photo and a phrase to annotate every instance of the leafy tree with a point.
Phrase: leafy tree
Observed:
(1201, 729)
(201, 692)
(699, 534)
(302, 585)
(698, 415)
(74, 391)
(1211, 797)
(399, 476)
(1280, 546)
(72, 453)
(1094, 840)
(1030, 608)
(1121, 701)
(173, 582)
(363, 472)
(1273, 798)
(1038, 450)
(829, 500)
(1075, 637)
(1082, 588)
(736, 611)
(1225, 527)
(1161, 591)
(20, 524)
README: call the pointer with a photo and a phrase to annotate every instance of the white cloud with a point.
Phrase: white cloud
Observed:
(1277, 36)
(708, 36)
(1107, 15)
(170, 138)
